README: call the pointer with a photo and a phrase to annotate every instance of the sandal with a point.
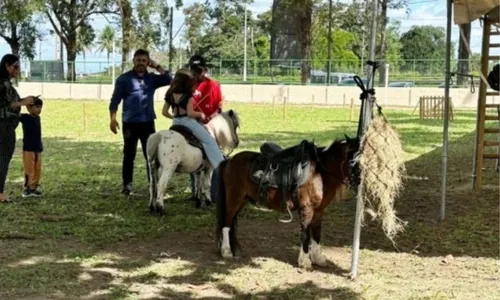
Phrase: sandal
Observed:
(5, 200)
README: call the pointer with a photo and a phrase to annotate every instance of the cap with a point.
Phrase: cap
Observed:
(198, 60)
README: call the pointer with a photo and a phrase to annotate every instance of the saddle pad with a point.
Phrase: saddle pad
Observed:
(189, 136)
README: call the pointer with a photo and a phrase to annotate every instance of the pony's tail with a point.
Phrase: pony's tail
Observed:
(152, 153)
(218, 195)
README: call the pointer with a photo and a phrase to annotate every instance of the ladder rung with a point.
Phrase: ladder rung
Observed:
(492, 93)
(494, 57)
(492, 130)
(490, 105)
(491, 117)
(491, 155)
(495, 33)
(495, 45)
(491, 143)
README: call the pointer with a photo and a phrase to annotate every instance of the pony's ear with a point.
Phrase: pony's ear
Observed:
(347, 138)
(231, 113)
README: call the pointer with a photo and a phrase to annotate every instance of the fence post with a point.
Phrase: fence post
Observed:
(351, 116)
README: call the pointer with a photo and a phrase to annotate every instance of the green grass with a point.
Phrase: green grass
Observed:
(109, 247)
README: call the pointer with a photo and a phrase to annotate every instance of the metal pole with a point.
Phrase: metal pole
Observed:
(113, 64)
(245, 48)
(446, 109)
(366, 113)
(329, 69)
(386, 81)
(171, 41)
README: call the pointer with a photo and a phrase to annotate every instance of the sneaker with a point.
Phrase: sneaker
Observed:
(127, 189)
(31, 193)
(36, 192)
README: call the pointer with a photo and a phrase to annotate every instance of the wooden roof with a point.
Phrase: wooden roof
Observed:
(467, 11)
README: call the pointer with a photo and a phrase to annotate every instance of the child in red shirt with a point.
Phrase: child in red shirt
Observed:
(207, 97)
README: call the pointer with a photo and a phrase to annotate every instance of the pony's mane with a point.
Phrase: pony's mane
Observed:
(223, 126)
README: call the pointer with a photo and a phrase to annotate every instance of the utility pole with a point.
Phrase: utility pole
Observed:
(329, 69)
(245, 48)
(171, 40)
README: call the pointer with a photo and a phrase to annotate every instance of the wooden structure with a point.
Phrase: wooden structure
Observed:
(488, 114)
(488, 127)
(432, 108)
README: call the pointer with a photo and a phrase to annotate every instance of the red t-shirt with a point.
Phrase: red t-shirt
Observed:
(208, 98)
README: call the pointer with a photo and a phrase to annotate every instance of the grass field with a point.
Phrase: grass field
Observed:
(84, 240)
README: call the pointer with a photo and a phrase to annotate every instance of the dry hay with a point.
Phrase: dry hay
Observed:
(381, 161)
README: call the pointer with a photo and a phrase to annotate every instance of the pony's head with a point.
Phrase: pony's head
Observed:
(225, 126)
(338, 160)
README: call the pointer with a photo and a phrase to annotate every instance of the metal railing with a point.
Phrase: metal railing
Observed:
(416, 72)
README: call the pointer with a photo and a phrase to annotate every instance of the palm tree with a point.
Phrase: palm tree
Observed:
(84, 41)
(105, 41)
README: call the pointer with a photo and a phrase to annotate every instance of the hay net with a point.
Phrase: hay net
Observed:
(381, 163)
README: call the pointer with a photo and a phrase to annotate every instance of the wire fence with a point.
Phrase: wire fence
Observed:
(400, 73)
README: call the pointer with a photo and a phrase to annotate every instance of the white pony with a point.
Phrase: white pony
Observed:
(177, 151)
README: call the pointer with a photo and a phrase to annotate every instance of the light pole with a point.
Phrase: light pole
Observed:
(245, 48)
(329, 69)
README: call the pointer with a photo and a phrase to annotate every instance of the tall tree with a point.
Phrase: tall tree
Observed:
(67, 17)
(302, 12)
(85, 39)
(105, 41)
(195, 20)
(125, 10)
(463, 53)
(384, 21)
(425, 44)
(18, 27)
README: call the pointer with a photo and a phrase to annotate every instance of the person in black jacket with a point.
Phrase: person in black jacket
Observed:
(10, 111)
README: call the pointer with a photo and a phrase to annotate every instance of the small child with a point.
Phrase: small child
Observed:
(32, 148)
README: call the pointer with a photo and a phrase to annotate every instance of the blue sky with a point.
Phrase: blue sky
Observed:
(422, 12)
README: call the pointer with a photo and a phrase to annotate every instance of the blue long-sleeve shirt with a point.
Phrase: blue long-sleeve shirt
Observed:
(137, 94)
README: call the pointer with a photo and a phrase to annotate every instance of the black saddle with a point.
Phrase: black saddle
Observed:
(284, 169)
(189, 136)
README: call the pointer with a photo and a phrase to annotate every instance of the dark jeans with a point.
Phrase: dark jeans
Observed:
(7, 146)
(132, 133)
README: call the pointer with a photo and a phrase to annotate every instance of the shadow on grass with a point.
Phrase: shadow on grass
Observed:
(81, 181)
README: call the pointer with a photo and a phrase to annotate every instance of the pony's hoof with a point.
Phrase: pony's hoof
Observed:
(305, 262)
(208, 203)
(198, 202)
(226, 253)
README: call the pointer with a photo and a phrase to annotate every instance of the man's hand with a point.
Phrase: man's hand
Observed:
(114, 126)
(28, 100)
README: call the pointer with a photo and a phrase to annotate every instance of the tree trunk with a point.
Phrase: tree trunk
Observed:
(383, 43)
(126, 19)
(463, 54)
(109, 66)
(71, 56)
(304, 29)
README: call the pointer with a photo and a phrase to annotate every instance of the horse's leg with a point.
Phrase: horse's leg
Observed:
(166, 174)
(306, 215)
(317, 256)
(206, 184)
(152, 186)
(229, 240)
(197, 189)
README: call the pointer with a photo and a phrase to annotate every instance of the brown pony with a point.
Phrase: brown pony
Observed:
(317, 175)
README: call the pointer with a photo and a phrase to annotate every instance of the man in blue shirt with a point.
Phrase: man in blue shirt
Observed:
(136, 88)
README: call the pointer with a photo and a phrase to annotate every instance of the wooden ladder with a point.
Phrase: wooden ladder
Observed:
(482, 130)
